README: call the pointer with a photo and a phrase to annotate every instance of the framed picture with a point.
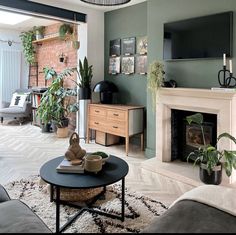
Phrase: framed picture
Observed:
(114, 65)
(142, 45)
(115, 47)
(129, 46)
(128, 65)
(141, 64)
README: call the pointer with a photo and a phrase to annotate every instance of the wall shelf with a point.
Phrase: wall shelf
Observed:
(47, 39)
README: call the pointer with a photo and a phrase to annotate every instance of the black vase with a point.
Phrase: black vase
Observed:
(215, 176)
(85, 93)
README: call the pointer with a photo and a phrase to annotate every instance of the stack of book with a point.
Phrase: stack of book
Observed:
(66, 167)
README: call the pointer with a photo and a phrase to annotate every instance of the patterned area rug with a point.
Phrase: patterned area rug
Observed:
(139, 210)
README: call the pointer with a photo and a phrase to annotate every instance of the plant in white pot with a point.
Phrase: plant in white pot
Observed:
(211, 160)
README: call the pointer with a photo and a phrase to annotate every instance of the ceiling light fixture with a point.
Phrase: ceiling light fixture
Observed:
(106, 2)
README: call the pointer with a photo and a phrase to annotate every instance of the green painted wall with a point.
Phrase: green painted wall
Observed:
(194, 73)
(148, 19)
(127, 22)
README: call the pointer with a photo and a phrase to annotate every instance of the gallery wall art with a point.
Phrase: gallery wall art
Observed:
(128, 65)
(141, 64)
(129, 46)
(115, 47)
(114, 65)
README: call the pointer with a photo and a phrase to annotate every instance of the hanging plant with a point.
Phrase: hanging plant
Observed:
(155, 80)
(64, 30)
(27, 39)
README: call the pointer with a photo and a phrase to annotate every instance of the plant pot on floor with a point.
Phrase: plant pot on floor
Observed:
(213, 177)
(46, 128)
(62, 132)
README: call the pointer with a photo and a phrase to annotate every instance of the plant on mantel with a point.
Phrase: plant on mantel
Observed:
(155, 80)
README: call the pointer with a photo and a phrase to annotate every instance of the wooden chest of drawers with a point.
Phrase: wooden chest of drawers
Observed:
(120, 120)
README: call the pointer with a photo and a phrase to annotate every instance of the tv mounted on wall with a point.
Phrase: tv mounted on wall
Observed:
(202, 37)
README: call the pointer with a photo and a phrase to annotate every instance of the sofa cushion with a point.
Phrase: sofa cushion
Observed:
(193, 217)
(16, 217)
(3, 195)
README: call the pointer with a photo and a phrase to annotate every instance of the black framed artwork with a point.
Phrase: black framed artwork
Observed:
(115, 47)
(142, 45)
(141, 64)
(129, 46)
(114, 65)
(128, 65)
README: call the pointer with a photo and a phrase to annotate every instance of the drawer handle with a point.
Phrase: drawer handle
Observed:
(115, 127)
(96, 111)
(96, 123)
(115, 114)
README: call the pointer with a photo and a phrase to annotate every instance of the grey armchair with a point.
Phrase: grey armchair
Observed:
(20, 113)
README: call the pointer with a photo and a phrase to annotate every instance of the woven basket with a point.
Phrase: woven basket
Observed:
(78, 195)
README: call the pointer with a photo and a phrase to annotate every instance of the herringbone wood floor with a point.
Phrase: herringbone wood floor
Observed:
(23, 150)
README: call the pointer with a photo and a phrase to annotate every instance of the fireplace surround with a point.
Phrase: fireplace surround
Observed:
(221, 103)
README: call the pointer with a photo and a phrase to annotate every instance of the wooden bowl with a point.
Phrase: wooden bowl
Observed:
(93, 163)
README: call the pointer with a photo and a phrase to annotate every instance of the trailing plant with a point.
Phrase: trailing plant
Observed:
(209, 155)
(155, 80)
(65, 29)
(85, 74)
(55, 103)
(27, 39)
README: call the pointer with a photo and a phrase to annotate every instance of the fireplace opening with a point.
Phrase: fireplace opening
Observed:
(186, 138)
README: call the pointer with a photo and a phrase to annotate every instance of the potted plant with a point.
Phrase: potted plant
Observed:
(85, 77)
(56, 100)
(27, 39)
(155, 79)
(211, 160)
(62, 58)
(65, 30)
(39, 32)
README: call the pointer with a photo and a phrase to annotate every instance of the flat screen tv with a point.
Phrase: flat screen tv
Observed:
(202, 37)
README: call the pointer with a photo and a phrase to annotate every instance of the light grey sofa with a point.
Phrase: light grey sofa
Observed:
(19, 113)
(17, 217)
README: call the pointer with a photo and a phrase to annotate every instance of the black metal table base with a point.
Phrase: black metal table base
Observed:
(86, 208)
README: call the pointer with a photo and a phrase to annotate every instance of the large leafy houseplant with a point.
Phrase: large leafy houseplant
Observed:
(27, 39)
(155, 79)
(55, 105)
(209, 157)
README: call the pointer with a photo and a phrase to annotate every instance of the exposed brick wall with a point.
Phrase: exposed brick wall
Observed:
(48, 55)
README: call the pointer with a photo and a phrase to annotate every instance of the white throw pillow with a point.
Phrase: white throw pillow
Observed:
(18, 100)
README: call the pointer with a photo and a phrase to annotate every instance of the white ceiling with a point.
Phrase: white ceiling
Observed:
(36, 21)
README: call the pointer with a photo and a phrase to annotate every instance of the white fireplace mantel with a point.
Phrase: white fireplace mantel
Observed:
(222, 103)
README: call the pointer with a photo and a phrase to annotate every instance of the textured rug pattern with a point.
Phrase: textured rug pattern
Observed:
(139, 210)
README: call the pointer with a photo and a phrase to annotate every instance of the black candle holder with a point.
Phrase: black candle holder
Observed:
(225, 80)
(231, 81)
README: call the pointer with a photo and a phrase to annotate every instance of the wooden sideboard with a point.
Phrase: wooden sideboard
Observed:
(120, 120)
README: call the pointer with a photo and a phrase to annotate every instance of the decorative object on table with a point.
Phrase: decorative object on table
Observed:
(74, 151)
(129, 46)
(103, 155)
(115, 47)
(93, 163)
(170, 84)
(114, 65)
(225, 76)
(128, 65)
(212, 160)
(106, 90)
(74, 166)
(141, 64)
(155, 80)
(142, 45)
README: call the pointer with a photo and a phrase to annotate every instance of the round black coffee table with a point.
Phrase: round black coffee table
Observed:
(113, 171)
